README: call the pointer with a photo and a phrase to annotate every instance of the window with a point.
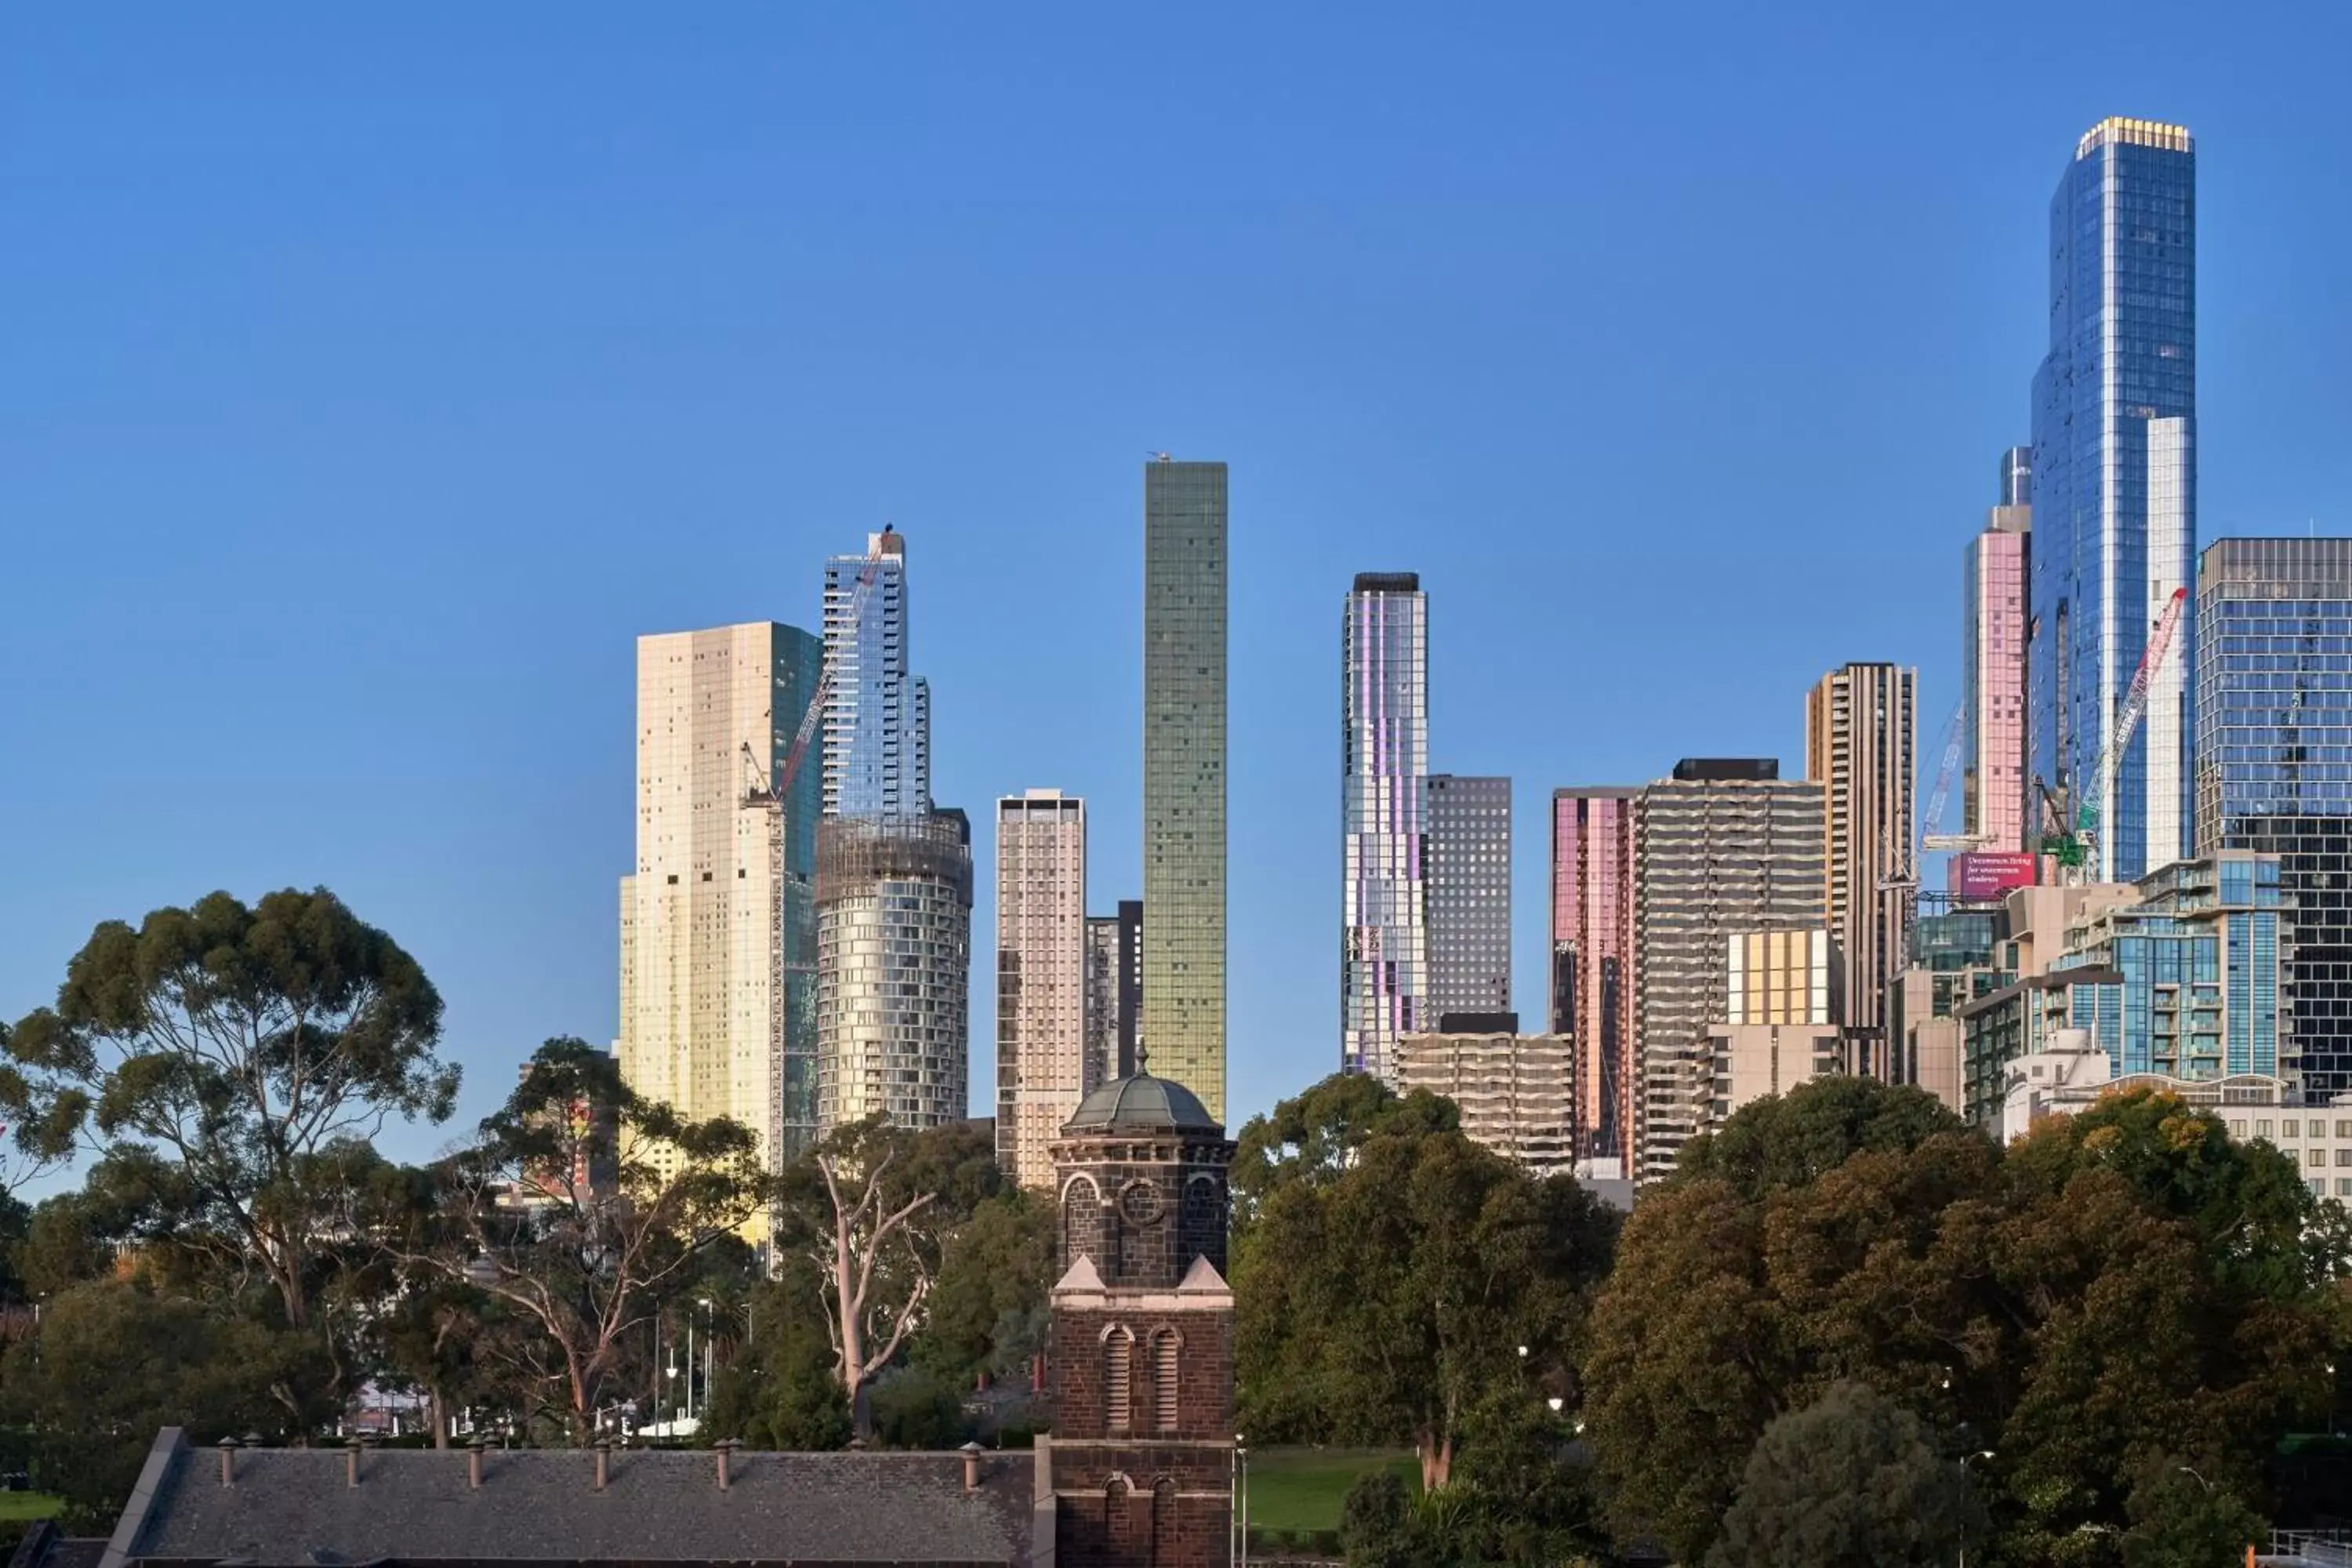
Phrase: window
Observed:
(2288, 1129)
(1119, 1377)
(2315, 1156)
(2262, 1129)
(1166, 1361)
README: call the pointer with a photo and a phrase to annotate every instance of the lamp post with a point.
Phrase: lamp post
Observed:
(1965, 1460)
(2191, 1471)
(2331, 1398)
(709, 1351)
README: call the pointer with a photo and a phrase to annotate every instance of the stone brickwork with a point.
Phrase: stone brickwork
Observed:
(1142, 1309)
(1109, 1187)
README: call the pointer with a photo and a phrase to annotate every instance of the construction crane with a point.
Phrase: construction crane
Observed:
(2073, 848)
(761, 790)
(1931, 823)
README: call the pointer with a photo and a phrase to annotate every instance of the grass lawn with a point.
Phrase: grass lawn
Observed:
(1302, 1489)
(28, 1505)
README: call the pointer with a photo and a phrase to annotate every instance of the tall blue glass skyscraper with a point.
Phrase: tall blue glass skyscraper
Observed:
(2114, 491)
(877, 717)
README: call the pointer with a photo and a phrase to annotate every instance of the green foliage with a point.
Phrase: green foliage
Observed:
(779, 1391)
(1852, 1481)
(913, 1409)
(227, 1050)
(2179, 1521)
(1310, 1140)
(2080, 1306)
(986, 1312)
(1793, 1140)
(1376, 1522)
(1385, 1300)
(114, 1363)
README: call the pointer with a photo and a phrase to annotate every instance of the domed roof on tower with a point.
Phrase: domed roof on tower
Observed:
(1141, 1103)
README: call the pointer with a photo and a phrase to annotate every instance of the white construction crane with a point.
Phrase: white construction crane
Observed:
(2075, 849)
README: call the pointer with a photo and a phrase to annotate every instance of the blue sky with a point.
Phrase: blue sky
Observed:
(373, 375)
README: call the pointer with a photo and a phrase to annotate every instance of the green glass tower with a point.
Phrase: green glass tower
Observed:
(1183, 1025)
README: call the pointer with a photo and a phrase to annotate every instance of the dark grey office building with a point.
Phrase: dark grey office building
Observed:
(2274, 765)
(1467, 879)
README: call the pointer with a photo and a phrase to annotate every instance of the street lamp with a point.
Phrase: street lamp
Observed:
(2191, 1471)
(1555, 1401)
(1966, 1460)
(709, 1347)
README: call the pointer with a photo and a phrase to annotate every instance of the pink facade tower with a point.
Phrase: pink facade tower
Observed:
(1592, 964)
(1993, 781)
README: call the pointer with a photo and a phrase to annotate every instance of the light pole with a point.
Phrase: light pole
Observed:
(709, 1351)
(689, 1366)
(2331, 1398)
(1966, 1460)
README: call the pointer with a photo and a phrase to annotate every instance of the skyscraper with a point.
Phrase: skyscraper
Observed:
(1723, 847)
(2275, 764)
(1861, 734)
(1184, 775)
(718, 930)
(1592, 951)
(1468, 888)
(1103, 955)
(1992, 667)
(893, 968)
(1040, 976)
(2115, 489)
(877, 717)
(1383, 799)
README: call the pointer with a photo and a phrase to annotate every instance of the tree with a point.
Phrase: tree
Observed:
(114, 1362)
(2180, 1521)
(578, 1206)
(780, 1390)
(1387, 1302)
(1793, 1140)
(1376, 1523)
(1852, 1481)
(241, 1045)
(2076, 1304)
(986, 1312)
(1313, 1138)
(873, 1207)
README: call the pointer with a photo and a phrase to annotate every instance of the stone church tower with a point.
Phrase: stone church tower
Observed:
(1141, 1345)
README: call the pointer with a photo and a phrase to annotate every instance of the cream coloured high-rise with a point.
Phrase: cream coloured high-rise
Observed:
(1041, 977)
(717, 920)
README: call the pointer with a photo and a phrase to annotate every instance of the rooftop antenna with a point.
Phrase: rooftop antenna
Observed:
(1160, 456)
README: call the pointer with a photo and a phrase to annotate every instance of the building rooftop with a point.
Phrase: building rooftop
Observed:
(1141, 1103)
(299, 1506)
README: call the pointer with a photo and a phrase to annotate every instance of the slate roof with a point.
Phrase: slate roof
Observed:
(295, 1506)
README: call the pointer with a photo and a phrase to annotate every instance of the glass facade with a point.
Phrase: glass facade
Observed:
(1183, 1028)
(877, 717)
(1592, 961)
(1469, 892)
(1992, 667)
(1384, 808)
(2274, 762)
(894, 965)
(2198, 966)
(2114, 486)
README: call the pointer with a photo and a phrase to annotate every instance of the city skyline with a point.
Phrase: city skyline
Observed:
(492, 824)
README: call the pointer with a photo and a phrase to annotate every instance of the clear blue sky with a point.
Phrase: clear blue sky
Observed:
(373, 375)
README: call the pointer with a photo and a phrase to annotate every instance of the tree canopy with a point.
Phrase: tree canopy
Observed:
(2079, 1305)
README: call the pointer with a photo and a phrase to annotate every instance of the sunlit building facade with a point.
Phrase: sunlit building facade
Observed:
(1469, 894)
(1184, 775)
(1384, 959)
(2114, 491)
(1993, 787)
(1592, 952)
(894, 969)
(1042, 977)
(876, 725)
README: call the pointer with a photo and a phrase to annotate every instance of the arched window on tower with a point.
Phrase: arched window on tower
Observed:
(1119, 1378)
(1167, 1360)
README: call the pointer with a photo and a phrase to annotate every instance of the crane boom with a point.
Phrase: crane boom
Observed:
(2134, 703)
(1931, 825)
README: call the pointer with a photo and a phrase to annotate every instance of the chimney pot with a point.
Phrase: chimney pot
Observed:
(228, 1461)
(972, 1453)
(474, 1464)
(604, 1461)
(725, 1448)
(352, 1462)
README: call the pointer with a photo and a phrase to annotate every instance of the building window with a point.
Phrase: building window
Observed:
(1119, 1378)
